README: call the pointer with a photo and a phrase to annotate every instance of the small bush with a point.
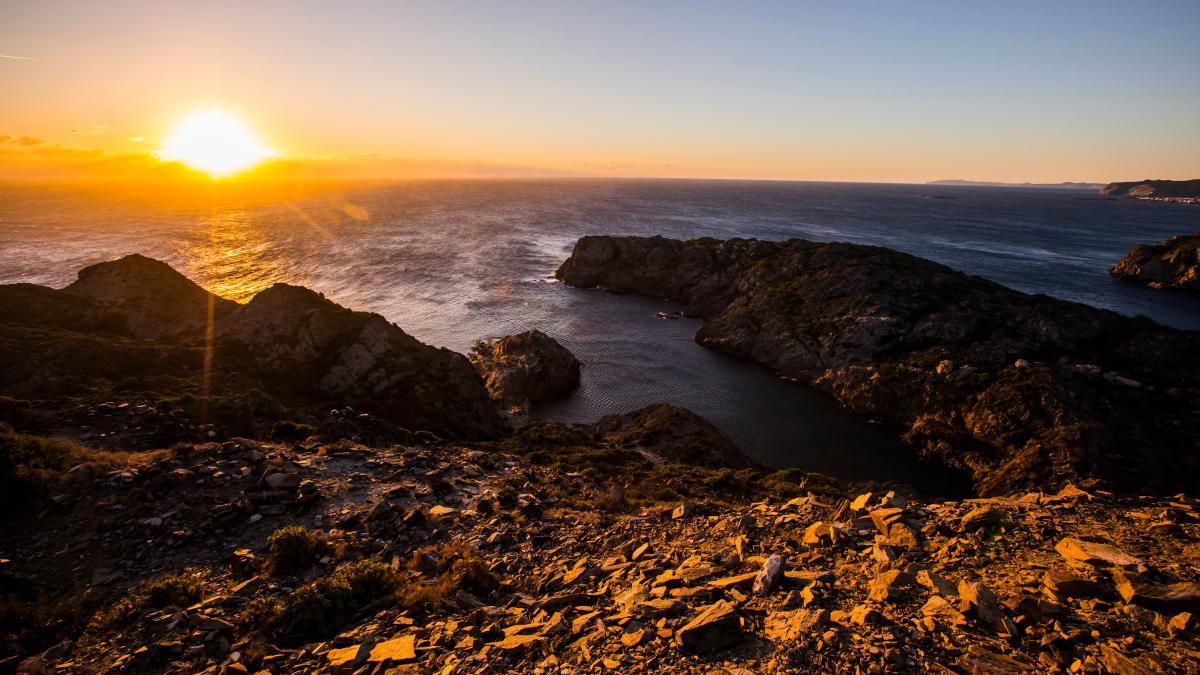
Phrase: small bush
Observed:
(454, 569)
(292, 548)
(30, 622)
(33, 467)
(318, 609)
(291, 431)
(171, 591)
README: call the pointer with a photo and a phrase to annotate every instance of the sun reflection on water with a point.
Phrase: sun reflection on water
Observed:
(233, 258)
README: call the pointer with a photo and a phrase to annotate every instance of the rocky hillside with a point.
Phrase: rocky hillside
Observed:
(135, 326)
(1175, 263)
(1023, 391)
(241, 556)
(140, 533)
(1154, 189)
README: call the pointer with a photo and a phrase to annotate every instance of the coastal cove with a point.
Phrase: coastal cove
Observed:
(391, 254)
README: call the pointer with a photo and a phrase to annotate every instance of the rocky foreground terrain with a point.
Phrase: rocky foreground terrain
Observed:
(1175, 263)
(191, 485)
(1022, 391)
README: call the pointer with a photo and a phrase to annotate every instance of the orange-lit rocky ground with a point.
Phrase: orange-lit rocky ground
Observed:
(451, 558)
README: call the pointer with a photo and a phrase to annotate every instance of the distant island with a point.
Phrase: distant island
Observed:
(983, 183)
(1182, 191)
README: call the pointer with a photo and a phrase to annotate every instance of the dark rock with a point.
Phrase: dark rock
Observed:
(525, 369)
(716, 626)
(674, 434)
(981, 516)
(1067, 585)
(1183, 596)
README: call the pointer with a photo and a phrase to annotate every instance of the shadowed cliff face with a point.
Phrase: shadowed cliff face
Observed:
(1175, 263)
(1021, 390)
(136, 323)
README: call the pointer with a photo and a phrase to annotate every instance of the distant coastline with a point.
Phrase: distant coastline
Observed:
(1178, 191)
(1053, 186)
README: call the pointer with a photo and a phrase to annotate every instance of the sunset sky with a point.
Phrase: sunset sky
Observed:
(867, 91)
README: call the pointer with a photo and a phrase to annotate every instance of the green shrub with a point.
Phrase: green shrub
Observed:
(170, 591)
(456, 568)
(292, 548)
(32, 467)
(31, 622)
(318, 609)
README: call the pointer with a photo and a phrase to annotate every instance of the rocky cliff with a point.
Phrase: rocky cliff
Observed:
(1021, 390)
(136, 326)
(1175, 263)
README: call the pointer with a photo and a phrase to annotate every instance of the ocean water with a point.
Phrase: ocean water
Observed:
(453, 262)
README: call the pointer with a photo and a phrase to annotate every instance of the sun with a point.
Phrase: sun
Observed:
(215, 142)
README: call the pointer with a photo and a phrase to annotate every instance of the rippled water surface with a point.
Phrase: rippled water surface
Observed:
(455, 261)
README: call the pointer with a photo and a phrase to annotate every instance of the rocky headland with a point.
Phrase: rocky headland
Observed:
(1181, 191)
(287, 486)
(1023, 391)
(1175, 263)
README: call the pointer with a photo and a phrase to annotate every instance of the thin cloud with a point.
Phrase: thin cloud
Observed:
(17, 58)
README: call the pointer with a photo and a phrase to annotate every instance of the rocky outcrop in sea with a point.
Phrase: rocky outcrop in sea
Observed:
(1175, 263)
(1020, 390)
(525, 369)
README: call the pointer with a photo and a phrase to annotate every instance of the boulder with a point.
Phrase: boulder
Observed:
(676, 435)
(1183, 596)
(716, 626)
(1067, 585)
(940, 610)
(1096, 554)
(770, 575)
(889, 585)
(981, 516)
(525, 369)
(396, 650)
(791, 626)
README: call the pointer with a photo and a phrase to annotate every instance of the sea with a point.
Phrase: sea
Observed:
(453, 262)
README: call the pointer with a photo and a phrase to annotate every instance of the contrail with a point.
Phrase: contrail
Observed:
(16, 58)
